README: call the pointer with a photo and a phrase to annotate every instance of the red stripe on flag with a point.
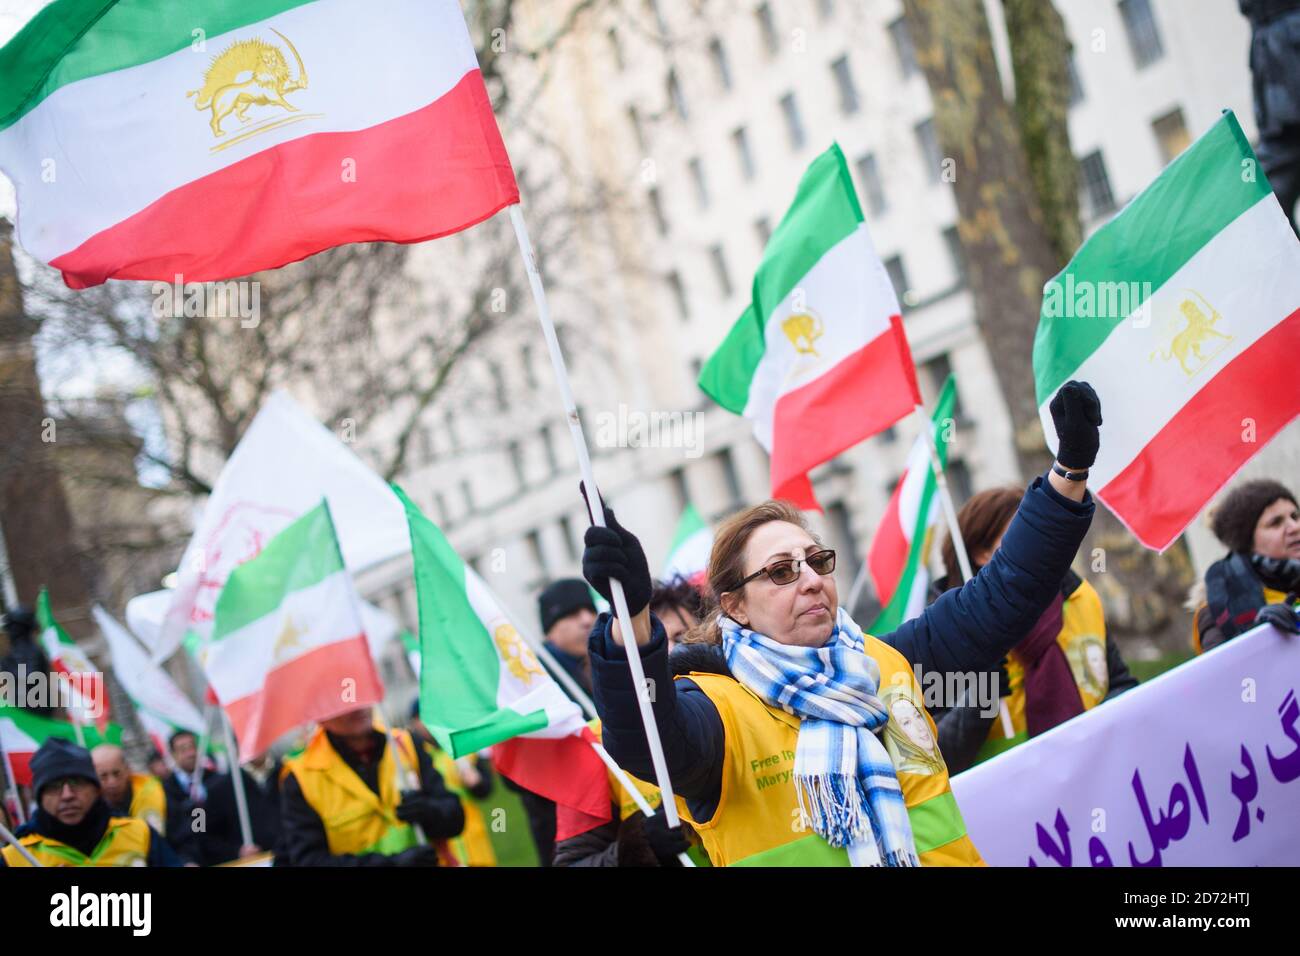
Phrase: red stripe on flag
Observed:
(889, 548)
(1199, 450)
(309, 687)
(433, 172)
(564, 770)
(864, 394)
(21, 762)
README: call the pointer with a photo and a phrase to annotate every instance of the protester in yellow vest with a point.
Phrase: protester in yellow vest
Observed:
(343, 802)
(73, 826)
(788, 759)
(470, 784)
(1259, 578)
(1063, 666)
(129, 794)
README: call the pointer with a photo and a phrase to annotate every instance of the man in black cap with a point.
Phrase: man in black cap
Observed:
(568, 613)
(73, 826)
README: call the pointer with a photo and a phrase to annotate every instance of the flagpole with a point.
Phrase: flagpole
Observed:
(11, 785)
(408, 778)
(237, 778)
(196, 780)
(596, 512)
(13, 841)
(954, 532)
(638, 797)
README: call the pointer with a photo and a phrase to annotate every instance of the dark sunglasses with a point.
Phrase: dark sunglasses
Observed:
(788, 570)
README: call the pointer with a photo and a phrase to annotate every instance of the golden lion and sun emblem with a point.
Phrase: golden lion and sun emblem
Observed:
(1198, 341)
(518, 656)
(246, 74)
(803, 329)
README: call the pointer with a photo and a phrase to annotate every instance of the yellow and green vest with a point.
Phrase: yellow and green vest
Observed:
(757, 821)
(356, 819)
(125, 843)
(1083, 640)
(474, 845)
(148, 801)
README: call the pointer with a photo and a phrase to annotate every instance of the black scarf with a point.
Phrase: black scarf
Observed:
(82, 837)
(1280, 574)
(1234, 588)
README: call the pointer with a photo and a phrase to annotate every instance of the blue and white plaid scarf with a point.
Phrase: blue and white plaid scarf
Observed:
(845, 780)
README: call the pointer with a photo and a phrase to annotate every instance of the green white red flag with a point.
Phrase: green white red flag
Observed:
(818, 361)
(688, 555)
(1183, 312)
(81, 683)
(215, 138)
(22, 733)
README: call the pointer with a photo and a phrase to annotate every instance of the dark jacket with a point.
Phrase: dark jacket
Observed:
(225, 837)
(188, 842)
(963, 729)
(86, 835)
(1275, 69)
(302, 834)
(970, 628)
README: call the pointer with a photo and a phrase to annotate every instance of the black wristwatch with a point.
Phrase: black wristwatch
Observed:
(1069, 475)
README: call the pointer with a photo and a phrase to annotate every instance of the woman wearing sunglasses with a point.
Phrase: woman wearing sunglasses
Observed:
(777, 750)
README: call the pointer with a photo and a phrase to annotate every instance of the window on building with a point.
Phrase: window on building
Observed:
(952, 239)
(902, 37)
(638, 130)
(937, 371)
(793, 122)
(498, 386)
(1142, 32)
(846, 553)
(526, 361)
(533, 541)
(426, 445)
(676, 96)
(566, 532)
(898, 277)
(872, 185)
(453, 440)
(467, 493)
(657, 210)
(548, 448)
(678, 290)
(1076, 84)
(767, 28)
(441, 514)
(721, 66)
(719, 260)
(931, 155)
(844, 84)
(959, 480)
(1095, 196)
(1171, 134)
(681, 493)
(696, 167)
(826, 9)
(763, 229)
(744, 155)
(889, 435)
(730, 477)
(517, 463)
(615, 48)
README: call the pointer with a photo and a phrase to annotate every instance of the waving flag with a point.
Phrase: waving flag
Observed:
(688, 556)
(819, 361)
(288, 646)
(900, 550)
(22, 733)
(82, 684)
(1184, 313)
(481, 685)
(215, 138)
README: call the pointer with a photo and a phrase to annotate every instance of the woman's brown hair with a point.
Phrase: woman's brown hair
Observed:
(982, 521)
(727, 561)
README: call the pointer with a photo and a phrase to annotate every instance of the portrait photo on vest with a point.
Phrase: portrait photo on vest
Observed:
(482, 436)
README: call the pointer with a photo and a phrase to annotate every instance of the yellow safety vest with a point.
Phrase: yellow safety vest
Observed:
(356, 819)
(148, 801)
(1083, 639)
(125, 843)
(758, 822)
(474, 846)
(1270, 597)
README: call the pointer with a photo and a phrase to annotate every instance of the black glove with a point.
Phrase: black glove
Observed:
(614, 552)
(416, 807)
(665, 842)
(1076, 413)
(1281, 616)
(417, 856)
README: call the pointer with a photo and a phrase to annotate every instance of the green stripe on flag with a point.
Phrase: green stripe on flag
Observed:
(688, 524)
(825, 211)
(72, 40)
(460, 668)
(41, 729)
(303, 554)
(1133, 255)
(894, 613)
(45, 617)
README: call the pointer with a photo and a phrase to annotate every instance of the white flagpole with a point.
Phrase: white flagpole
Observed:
(595, 510)
(638, 797)
(408, 779)
(13, 841)
(954, 531)
(237, 778)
